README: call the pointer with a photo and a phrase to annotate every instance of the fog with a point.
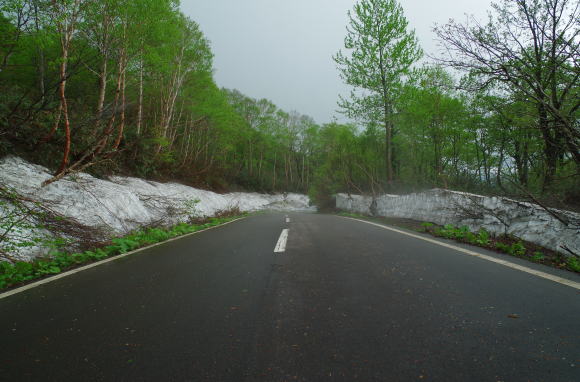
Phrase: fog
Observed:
(282, 50)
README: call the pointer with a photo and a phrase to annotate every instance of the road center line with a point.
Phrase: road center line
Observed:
(281, 245)
(287, 220)
(505, 263)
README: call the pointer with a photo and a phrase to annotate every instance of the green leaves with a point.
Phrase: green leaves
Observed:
(514, 249)
(449, 231)
(380, 52)
(123, 245)
(573, 263)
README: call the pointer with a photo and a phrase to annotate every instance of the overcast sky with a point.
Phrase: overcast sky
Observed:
(282, 49)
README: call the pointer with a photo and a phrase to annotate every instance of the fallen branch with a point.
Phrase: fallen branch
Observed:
(561, 219)
(567, 249)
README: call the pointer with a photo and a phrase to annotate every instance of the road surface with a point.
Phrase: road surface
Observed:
(340, 300)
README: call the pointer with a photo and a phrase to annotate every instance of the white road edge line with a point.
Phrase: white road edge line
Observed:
(92, 265)
(559, 280)
(281, 244)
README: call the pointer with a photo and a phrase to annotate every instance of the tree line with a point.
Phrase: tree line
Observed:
(127, 86)
(118, 85)
(497, 111)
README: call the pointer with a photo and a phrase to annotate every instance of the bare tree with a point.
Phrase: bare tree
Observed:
(531, 47)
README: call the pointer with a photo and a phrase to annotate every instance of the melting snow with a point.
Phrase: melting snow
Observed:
(496, 214)
(122, 204)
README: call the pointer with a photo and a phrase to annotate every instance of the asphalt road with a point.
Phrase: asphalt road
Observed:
(346, 301)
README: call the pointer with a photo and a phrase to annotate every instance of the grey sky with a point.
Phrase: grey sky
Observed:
(282, 49)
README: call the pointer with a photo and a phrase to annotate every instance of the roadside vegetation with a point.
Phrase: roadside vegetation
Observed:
(505, 244)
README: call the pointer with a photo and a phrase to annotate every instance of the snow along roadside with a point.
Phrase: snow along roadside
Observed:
(120, 205)
(497, 215)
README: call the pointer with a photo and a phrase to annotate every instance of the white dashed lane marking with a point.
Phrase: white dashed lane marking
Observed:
(281, 245)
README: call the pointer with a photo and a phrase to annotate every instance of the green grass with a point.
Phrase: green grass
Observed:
(13, 274)
(515, 249)
(573, 263)
(448, 231)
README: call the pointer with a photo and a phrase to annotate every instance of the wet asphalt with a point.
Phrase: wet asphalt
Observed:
(347, 301)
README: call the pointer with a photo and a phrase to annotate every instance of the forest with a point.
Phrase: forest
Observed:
(127, 87)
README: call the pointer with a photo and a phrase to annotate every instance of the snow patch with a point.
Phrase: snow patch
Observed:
(497, 215)
(122, 204)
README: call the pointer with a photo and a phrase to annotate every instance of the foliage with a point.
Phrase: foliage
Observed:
(427, 226)
(509, 126)
(574, 264)
(449, 231)
(526, 54)
(190, 207)
(380, 53)
(506, 244)
(538, 256)
(140, 97)
(514, 249)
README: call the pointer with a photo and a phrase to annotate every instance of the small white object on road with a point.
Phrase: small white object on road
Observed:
(281, 245)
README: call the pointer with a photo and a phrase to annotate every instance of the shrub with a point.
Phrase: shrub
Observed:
(518, 249)
(573, 263)
(427, 226)
(515, 249)
(502, 246)
(190, 209)
(538, 256)
(482, 237)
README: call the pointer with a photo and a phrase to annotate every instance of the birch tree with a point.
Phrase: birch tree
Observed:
(379, 50)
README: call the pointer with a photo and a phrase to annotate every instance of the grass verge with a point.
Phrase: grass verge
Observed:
(16, 274)
(505, 244)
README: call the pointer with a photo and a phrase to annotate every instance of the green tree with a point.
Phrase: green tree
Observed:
(432, 130)
(380, 51)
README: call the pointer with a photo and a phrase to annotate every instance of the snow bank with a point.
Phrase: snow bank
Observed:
(122, 204)
(497, 215)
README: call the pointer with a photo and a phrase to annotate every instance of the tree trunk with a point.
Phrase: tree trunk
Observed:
(274, 177)
(388, 144)
(64, 108)
(41, 58)
(501, 159)
(102, 93)
(140, 102)
(63, 103)
(551, 148)
(122, 116)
